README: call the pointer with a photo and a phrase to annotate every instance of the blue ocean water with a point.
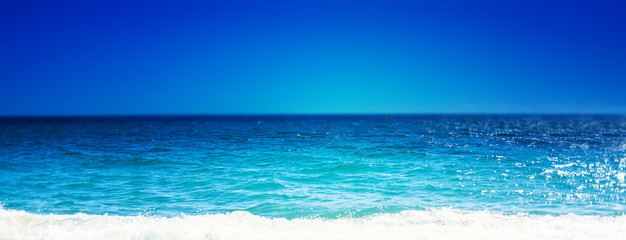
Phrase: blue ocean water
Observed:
(329, 167)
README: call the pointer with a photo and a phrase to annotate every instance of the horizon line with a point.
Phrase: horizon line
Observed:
(298, 114)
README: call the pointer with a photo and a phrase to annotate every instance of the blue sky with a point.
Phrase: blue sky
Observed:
(265, 57)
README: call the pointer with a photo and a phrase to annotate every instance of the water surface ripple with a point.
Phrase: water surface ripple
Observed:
(314, 166)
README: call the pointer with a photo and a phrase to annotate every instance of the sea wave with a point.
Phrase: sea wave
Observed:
(442, 223)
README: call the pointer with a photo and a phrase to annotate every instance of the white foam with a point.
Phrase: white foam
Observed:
(429, 224)
(564, 165)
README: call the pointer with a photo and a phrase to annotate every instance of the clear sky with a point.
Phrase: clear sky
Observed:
(263, 57)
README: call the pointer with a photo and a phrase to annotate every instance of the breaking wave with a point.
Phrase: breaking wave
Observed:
(443, 223)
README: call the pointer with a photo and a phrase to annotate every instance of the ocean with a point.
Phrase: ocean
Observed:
(313, 177)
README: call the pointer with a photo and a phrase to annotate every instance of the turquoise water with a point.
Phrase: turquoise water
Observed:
(314, 167)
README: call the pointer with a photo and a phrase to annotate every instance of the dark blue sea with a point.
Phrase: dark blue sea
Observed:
(313, 177)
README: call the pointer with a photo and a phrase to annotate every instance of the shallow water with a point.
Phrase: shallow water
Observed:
(313, 167)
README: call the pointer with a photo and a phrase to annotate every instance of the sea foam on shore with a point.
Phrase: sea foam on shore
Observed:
(428, 224)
